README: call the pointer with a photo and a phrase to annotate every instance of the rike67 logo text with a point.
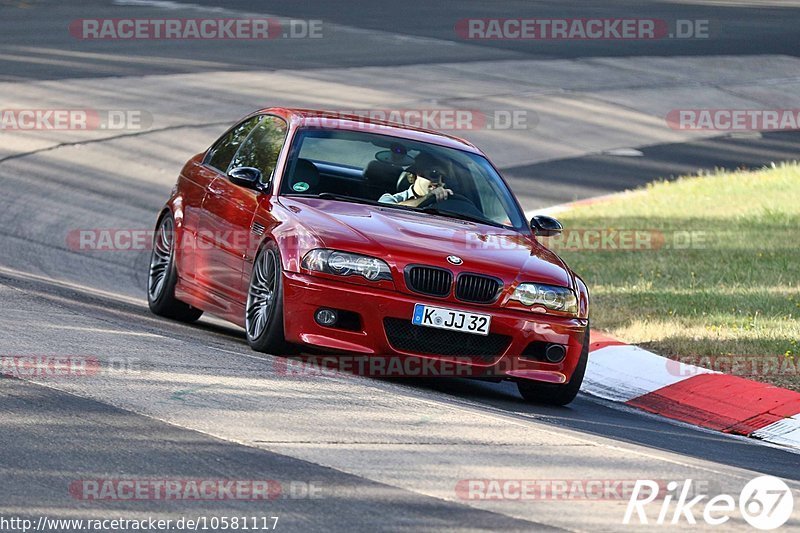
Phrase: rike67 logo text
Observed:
(765, 503)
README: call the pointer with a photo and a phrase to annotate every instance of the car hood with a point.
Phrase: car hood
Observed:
(403, 237)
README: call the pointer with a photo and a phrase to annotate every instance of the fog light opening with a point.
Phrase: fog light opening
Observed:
(555, 353)
(326, 317)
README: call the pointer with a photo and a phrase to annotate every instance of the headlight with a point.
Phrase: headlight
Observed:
(549, 296)
(346, 264)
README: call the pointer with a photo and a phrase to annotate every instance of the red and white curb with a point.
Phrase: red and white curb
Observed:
(624, 373)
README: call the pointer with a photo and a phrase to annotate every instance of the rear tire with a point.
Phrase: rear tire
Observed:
(547, 393)
(264, 309)
(163, 276)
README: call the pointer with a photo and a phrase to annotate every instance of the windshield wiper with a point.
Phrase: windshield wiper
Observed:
(461, 216)
(340, 197)
(356, 200)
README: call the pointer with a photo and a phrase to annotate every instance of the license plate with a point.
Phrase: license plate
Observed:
(439, 317)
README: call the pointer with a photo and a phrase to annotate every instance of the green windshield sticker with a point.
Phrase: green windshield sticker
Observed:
(300, 186)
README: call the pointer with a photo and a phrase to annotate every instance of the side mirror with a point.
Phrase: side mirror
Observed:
(545, 226)
(245, 177)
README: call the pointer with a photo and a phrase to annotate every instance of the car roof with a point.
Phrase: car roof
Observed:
(343, 121)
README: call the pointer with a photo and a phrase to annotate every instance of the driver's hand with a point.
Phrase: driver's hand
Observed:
(440, 193)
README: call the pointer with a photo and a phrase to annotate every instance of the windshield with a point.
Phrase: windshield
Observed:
(368, 167)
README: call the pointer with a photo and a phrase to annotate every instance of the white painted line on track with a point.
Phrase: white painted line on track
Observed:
(106, 331)
(70, 285)
(623, 152)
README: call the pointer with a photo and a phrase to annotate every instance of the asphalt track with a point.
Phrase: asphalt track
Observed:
(178, 401)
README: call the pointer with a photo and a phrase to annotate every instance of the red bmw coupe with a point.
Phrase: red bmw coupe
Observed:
(356, 236)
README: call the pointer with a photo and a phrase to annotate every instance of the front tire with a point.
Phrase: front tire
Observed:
(546, 393)
(163, 276)
(264, 309)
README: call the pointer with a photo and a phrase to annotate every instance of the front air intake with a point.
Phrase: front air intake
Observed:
(478, 289)
(431, 281)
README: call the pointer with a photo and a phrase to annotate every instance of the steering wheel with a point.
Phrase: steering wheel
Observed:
(453, 202)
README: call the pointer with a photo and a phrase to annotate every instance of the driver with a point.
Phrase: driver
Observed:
(426, 183)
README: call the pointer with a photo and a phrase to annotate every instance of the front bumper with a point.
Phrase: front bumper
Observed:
(304, 294)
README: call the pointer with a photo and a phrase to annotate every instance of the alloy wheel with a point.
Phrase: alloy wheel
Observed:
(261, 296)
(161, 258)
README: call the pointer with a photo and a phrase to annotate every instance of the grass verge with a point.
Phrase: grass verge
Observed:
(704, 269)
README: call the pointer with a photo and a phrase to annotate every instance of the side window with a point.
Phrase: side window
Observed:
(261, 149)
(226, 147)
